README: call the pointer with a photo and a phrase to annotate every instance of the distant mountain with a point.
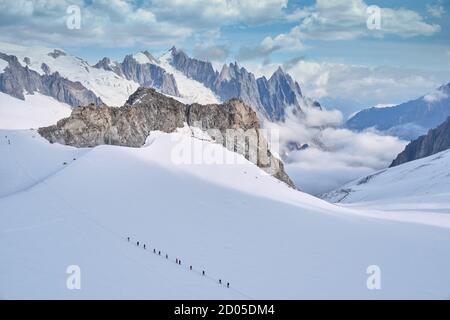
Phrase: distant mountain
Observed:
(272, 98)
(407, 120)
(53, 72)
(435, 141)
(197, 70)
(142, 69)
(74, 81)
(17, 80)
(409, 185)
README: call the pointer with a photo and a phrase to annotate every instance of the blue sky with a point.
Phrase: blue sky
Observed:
(312, 38)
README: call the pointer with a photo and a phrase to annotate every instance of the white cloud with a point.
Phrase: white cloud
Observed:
(436, 96)
(211, 53)
(341, 20)
(436, 9)
(219, 12)
(347, 19)
(127, 23)
(364, 86)
(116, 23)
(335, 155)
(344, 156)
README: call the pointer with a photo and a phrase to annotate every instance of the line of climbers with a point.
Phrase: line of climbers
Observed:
(177, 261)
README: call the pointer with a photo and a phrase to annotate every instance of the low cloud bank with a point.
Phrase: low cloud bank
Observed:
(333, 155)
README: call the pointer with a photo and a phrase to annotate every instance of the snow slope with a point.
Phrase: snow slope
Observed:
(416, 191)
(112, 89)
(36, 111)
(234, 221)
(191, 91)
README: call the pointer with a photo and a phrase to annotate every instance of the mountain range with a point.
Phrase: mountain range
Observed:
(408, 120)
(435, 141)
(72, 80)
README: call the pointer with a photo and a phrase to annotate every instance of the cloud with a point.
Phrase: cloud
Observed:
(219, 12)
(211, 53)
(282, 42)
(436, 9)
(436, 96)
(362, 85)
(116, 23)
(334, 155)
(128, 23)
(341, 20)
(347, 20)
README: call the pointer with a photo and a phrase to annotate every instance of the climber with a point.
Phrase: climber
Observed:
(190, 267)
(228, 284)
(159, 253)
(203, 272)
(220, 281)
(179, 262)
(144, 245)
(176, 260)
(167, 256)
(154, 250)
(128, 239)
(137, 243)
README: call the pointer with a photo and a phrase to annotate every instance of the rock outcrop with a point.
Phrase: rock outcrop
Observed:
(435, 141)
(147, 110)
(17, 80)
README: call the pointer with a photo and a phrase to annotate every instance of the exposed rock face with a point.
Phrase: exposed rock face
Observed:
(146, 74)
(236, 82)
(17, 80)
(270, 97)
(200, 71)
(278, 93)
(147, 110)
(108, 65)
(435, 141)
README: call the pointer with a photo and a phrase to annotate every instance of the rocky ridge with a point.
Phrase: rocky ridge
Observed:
(148, 110)
(17, 80)
(435, 141)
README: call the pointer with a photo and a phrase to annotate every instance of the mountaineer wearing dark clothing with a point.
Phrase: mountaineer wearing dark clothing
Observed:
(137, 243)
